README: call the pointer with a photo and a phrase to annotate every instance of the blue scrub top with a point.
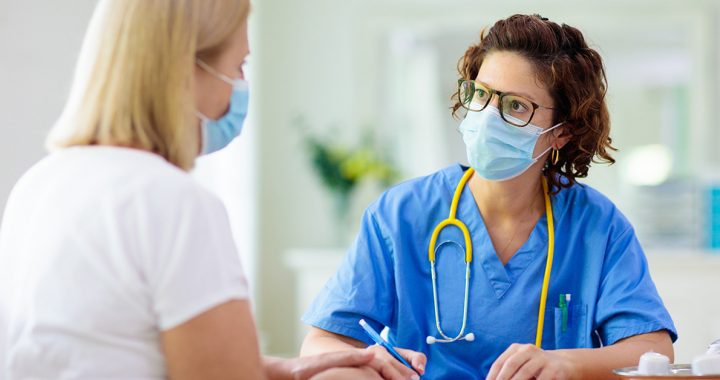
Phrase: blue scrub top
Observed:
(385, 278)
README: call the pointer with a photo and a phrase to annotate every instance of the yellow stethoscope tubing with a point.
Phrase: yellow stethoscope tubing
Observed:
(452, 220)
(548, 264)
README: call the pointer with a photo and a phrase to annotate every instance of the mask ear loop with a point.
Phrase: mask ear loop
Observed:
(551, 128)
(214, 72)
(550, 147)
(201, 116)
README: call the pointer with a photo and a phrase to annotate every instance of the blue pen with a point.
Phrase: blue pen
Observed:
(379, 340)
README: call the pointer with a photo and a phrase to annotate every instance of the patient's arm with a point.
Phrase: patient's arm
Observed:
(220, 343)
(319, 341)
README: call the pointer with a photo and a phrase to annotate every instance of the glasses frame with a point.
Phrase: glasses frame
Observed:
(500, 95)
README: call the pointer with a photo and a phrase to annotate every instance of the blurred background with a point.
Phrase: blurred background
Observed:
(350, 96)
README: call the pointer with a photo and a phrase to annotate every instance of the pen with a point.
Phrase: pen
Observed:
(563, 311)
(379, 340)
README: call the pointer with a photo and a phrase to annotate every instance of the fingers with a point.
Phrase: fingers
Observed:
(382, 363)
(351, 358)
(512, 360)
(513, 364)
(529, 370)
(355, 373)
(392, 372)
(308, 366)
(389, 367)
(500, 361)
(417, 359)
(359, 373)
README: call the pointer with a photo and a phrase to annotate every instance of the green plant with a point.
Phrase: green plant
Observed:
(341, 167)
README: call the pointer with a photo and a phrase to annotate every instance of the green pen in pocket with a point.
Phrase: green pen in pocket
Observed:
(563, 305)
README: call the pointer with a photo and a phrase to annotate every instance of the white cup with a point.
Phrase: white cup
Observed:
(653, 363)
(707, 364)
(714, 347)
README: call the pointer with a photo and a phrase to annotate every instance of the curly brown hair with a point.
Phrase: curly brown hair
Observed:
(575, 78)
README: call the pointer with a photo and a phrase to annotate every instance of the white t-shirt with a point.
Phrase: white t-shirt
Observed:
(101, 248)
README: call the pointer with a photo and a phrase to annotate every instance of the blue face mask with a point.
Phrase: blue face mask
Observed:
(217, 134)
(499, 151)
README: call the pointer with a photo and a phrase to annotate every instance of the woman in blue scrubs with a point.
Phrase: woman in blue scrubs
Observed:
(558, 284)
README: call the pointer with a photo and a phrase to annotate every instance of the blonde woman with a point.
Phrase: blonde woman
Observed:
(114, 263)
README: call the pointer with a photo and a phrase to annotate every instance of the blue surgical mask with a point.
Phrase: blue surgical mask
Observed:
(497, 150)
(217, 134)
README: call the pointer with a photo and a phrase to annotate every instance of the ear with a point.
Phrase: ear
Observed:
(561, 135)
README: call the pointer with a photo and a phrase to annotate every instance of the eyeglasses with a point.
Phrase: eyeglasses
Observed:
(514, 109)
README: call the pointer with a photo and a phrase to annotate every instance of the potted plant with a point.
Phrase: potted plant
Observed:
(341, 167)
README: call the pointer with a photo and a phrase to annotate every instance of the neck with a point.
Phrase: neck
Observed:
(509, 201)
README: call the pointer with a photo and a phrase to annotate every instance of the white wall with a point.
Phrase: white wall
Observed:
(301, 67)
(39, 42)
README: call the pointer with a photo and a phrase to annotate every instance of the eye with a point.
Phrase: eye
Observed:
(482, 94)
(518, 106)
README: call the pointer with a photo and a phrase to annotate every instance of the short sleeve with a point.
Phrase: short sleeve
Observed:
(195, 265)
(628, 302)
(363, 287)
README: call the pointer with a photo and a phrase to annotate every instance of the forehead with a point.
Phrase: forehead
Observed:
(507, 71)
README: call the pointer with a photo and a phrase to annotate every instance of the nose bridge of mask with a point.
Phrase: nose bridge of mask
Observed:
(475, 118)
(488, 125)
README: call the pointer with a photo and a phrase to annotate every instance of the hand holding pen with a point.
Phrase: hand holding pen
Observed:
(398, 359)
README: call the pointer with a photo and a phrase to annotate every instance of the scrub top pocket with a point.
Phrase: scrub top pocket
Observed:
(574, 334)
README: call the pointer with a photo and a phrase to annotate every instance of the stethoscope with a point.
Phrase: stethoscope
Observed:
(453, 221)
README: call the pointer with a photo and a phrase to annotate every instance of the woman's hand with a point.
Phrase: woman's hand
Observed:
(383, 363)
(525, 361)
(305, 367)
(355, 373)
(373, 362)
(392, 369)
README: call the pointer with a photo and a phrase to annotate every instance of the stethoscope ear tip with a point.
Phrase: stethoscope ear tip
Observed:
(470, 337)
(430, 340)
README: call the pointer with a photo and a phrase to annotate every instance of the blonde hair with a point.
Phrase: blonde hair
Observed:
(133, 83)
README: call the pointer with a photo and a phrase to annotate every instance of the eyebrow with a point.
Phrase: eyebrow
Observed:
(509, 92)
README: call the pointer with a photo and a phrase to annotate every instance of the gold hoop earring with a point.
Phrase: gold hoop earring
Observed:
(555, 156)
